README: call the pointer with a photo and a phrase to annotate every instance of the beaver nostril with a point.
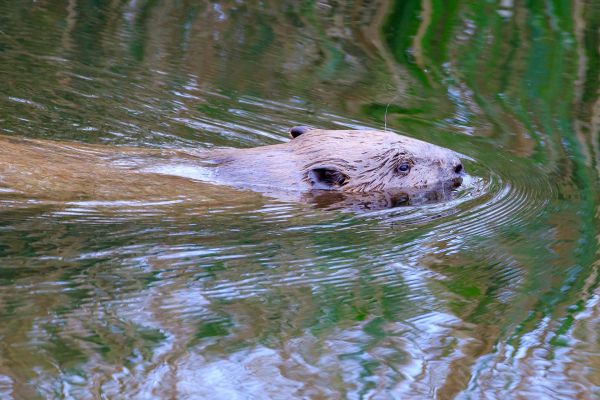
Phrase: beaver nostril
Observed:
(458, 169)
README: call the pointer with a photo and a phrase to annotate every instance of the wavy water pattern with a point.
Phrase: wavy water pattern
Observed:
(203, 291)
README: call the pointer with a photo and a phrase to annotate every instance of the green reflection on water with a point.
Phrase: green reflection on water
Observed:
(350, 305)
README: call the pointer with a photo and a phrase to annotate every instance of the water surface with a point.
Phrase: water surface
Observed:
(492, 294)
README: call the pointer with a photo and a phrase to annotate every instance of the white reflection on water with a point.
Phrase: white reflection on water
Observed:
(492, 294)
(194, 172)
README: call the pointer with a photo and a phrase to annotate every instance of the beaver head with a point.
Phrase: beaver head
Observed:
(372, 161)
(346, 161)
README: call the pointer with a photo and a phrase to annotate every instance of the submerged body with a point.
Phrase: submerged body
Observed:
(320, 166)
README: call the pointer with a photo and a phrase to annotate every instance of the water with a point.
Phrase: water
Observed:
(493, 294)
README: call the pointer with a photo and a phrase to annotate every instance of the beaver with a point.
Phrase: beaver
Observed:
(323, 167)
(358, 164)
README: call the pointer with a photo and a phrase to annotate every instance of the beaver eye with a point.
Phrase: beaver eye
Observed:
(404, 168)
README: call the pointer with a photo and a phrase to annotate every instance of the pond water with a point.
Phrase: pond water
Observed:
(493, 294)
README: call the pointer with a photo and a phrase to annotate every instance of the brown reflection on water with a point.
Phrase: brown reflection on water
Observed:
(177, 289)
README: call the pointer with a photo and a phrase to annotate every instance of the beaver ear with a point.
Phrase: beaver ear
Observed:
(327, 178)
(298, 130)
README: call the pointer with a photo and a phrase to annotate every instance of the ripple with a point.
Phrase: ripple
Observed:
(491, 292)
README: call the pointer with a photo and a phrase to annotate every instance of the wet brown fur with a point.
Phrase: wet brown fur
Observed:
(368, 161)
(354, 162)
